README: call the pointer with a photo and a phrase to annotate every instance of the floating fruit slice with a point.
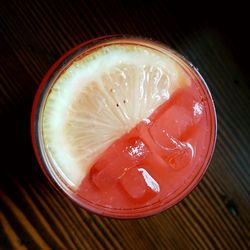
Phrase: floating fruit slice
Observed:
(100, 97)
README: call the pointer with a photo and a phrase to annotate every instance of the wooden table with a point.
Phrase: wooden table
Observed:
(216, 215)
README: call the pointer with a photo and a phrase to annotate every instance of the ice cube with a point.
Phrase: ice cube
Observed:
(171, 125)
(133, 183)
(197, 108)
(149, 180)
(179, 157)
(139, 184)
(175, 121)
(197, 111)
(109, 167)
(121, 156)
(136, 149)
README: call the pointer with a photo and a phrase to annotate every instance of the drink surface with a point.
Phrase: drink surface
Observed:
(128, 125)
(155, 159)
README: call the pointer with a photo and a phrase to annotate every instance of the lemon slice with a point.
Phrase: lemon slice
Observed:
(100, 97)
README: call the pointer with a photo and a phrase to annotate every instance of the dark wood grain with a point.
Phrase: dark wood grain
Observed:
(33, 36)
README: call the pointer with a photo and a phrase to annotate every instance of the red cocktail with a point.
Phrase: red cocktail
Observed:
(125, 127)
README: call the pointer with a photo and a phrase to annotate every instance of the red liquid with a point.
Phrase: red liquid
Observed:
(156, 159)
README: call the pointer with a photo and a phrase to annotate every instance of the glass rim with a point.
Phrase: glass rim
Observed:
(36, 122)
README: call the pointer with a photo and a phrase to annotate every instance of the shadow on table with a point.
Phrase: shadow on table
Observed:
(17, 156)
